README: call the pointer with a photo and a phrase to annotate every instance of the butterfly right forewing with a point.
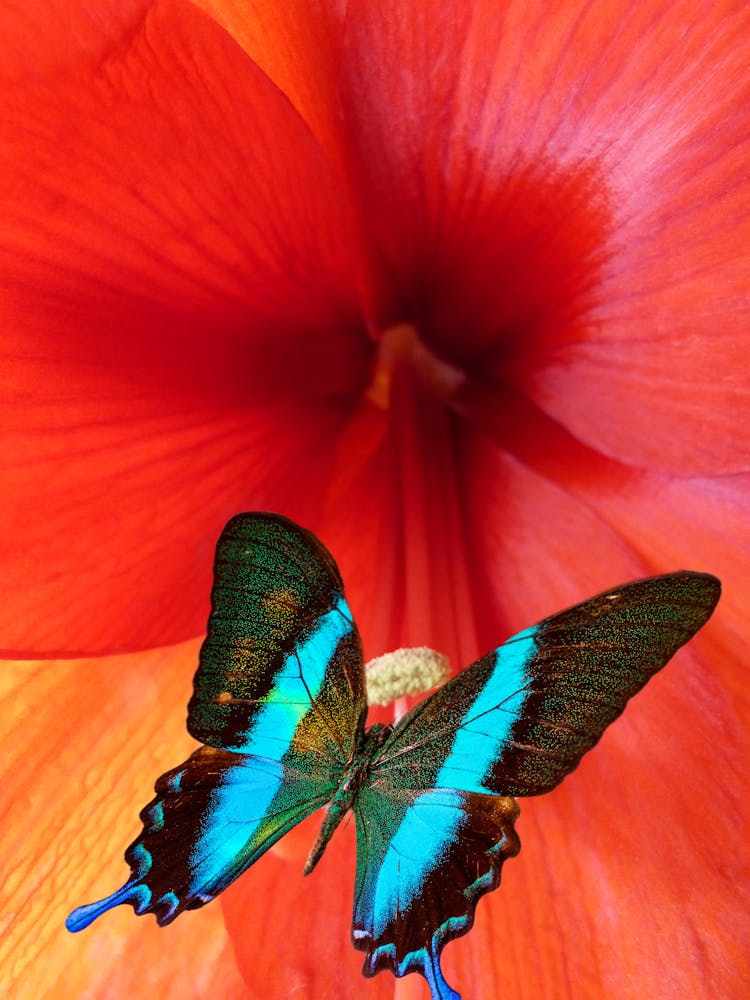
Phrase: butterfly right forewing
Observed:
(520, 719)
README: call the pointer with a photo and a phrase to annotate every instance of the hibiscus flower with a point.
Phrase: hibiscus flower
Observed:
(462, 288)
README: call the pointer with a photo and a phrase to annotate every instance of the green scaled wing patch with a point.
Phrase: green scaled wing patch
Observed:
(520, 719)
(281, 665)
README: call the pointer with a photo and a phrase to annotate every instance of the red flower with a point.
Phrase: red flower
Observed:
(209, 223)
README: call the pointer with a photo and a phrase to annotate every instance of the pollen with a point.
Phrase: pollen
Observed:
(224, 698)
(405, 671)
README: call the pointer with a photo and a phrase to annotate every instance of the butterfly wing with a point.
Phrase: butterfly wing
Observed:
(514, 723)
(279, 699)
(423, 858)
(282, 657)
(212, 818)
(520, 719)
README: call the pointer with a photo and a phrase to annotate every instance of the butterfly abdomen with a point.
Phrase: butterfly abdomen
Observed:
(356, 776)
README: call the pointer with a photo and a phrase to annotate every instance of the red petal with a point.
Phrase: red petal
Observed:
(602, 900)
(292, 934)
(658, 378)
(538, 547)
(702, 523)
(296, 42)
(181, 332)
(41, 39)
(563, 202)
(609, 522)
(83, 744)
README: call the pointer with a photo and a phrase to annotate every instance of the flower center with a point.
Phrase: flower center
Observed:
(422, 581)
(401, 349)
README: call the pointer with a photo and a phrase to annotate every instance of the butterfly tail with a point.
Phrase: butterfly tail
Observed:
(432, 972)
(137, 894)
(212, 818)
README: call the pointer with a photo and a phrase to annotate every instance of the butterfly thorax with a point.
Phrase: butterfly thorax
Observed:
(354, 776)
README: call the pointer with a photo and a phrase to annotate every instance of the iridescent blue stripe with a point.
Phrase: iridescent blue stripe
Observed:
(491, 717)
(226, 828)
(429, 824)
(272, 728)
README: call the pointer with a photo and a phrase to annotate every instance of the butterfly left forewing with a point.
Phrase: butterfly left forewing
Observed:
(513, 723)
(282, 658)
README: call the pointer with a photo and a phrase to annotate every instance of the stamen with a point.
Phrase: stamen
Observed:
(400, 345)
(405, 671)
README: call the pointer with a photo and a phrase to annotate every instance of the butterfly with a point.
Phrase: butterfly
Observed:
(279, 705)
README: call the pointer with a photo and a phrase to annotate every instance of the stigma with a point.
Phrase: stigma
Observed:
(403, 672)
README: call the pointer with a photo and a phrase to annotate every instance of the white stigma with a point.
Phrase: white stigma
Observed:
(405, 671)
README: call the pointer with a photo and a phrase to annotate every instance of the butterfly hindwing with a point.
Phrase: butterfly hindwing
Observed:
(212, 818)
(423, 858)
(514, 723)
(282, 658)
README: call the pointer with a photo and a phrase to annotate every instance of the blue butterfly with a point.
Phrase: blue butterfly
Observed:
(280, 706)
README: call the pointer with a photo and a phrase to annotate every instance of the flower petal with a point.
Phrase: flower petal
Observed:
(181, 334)
(658, 378)
(546, 549)
(703, 522)
(296, 42)
(602, 900)
(563, 202)
(84, 742)
(570, 509)
(42, 39)
(292, 934)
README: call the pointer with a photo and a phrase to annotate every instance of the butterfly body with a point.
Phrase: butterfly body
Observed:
(355, 777)
(279, 705)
